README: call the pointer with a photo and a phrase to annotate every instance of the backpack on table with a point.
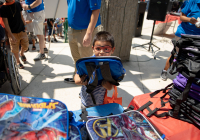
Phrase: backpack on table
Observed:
(78, 119)
(100, 68)
(131, 125)
(32, 118)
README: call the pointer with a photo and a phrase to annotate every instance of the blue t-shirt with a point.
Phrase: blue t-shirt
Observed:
(79, 13)
(192, 9)
(184, 4)
(36, 9)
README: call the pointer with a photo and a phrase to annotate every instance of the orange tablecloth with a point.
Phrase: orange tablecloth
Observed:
(170, 18)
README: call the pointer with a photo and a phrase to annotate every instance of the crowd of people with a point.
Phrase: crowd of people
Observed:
(18, 19)
(24, 22)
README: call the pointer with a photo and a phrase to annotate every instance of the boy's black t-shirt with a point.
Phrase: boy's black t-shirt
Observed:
(48, 22)
(15, 22)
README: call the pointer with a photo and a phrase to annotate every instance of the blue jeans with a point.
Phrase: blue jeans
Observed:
(147, 7)
(50, 30)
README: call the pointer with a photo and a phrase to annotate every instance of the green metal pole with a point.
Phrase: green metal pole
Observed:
(66, 29)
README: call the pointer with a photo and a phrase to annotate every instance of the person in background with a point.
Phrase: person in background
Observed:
(36, 10)
(83, 19)
(189, 15)
(50, 23)
(59, 24)
(11, 12)
(29, 27)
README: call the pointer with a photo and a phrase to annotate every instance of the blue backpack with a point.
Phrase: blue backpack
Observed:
(100, 68)
(32, 118)
(78, 119)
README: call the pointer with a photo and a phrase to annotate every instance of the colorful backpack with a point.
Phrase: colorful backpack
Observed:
(32, 118)
(78, 119)
(131, 125)
(100, 68)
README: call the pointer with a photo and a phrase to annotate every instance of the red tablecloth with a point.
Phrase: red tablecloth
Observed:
(170, 18)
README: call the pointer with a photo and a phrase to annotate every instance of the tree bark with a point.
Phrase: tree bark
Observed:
(119, 18)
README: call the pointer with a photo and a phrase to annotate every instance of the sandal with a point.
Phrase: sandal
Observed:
(20, 66)
(27, 50)
(33, 48)
(23, 58)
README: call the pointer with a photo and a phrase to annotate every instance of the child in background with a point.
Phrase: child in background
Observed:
(50, 23)
(103, 45)
(59, 23)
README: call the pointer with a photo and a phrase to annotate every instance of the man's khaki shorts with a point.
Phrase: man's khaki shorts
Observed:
(75, 42)
(38, 19)
(22, 39)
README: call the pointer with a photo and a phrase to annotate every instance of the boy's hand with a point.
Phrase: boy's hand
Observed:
(107, 85)
(84, 80)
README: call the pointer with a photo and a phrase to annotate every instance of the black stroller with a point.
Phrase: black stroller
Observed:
(8, 68)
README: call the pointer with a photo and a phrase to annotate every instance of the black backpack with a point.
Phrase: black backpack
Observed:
(187, 61)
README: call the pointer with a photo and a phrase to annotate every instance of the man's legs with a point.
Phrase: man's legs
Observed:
(74, 51)
(163, 75)
(41, 43)
(24, 45)
(77, 49)
(15, 48)
(38, 19)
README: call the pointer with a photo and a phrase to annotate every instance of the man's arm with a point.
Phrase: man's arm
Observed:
(93, 21)
(32, 5)
(7, 27)
(184, 18)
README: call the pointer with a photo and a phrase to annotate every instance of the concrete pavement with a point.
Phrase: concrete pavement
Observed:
(45, 78)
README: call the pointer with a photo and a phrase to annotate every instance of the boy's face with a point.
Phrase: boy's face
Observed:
(102, 48)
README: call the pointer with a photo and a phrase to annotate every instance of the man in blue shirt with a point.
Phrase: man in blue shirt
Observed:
(36, 10)
(83, 18)
(189, 15)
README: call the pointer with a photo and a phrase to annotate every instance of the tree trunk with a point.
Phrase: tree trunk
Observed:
(119, 18)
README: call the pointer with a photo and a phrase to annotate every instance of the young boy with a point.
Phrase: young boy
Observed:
(50, 23)
(103, 45)
(11, 13)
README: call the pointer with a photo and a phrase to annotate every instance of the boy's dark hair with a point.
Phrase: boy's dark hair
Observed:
(104, 36)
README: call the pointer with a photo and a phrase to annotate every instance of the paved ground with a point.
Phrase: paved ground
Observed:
(45, 78)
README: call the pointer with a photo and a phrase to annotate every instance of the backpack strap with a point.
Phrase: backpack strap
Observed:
(129, 108)
(93, 78)
(173, 52)
(172, 61)
(105, 72)
(153, 112)
(182, 97)
(84, 115)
